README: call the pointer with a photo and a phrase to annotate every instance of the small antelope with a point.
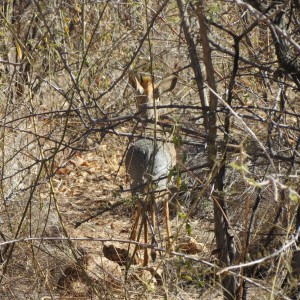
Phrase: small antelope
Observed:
(148, 161)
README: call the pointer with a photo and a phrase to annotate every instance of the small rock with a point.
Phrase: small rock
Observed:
(190, 246)
(118, 254)
(97, 269)
(100, 268)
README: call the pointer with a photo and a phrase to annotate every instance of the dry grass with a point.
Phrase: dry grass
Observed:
(67, 115)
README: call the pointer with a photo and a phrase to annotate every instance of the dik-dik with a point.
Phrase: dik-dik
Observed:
(150, 159)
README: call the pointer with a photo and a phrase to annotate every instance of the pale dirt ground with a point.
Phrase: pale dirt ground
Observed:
(84, 186)
(89, 182)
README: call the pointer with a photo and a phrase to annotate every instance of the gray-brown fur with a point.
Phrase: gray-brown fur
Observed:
(146, 161)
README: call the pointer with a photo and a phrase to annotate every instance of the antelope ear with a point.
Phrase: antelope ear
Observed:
(135, 83)
(165, 85)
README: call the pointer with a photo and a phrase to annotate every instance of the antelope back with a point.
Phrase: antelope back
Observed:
(164, 138)
(146, 160)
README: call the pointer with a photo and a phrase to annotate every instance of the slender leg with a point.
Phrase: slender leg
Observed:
(168, 226)
(146, 257)
(136, 223)
(152, 209)
(153, 220)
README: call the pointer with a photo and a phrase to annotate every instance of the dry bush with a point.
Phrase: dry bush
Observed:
(67, 118)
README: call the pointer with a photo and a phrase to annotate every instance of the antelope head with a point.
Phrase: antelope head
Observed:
(148, 93)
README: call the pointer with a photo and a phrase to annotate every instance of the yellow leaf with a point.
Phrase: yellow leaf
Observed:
(67, 30)
(19, 51)
(77, 8)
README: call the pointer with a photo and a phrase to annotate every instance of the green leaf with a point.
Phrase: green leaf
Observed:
(182, 215)
(294, 197)
(188, 228)
(187, 277)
